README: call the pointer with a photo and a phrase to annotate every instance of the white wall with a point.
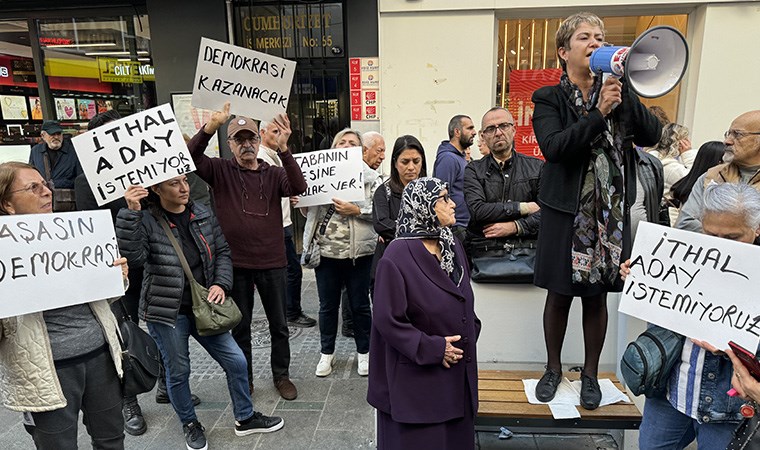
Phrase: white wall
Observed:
(724, 72)
(438, 59)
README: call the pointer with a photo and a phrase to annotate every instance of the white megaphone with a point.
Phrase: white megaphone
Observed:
(653, 65)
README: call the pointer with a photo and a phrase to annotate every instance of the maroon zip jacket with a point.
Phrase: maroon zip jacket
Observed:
(247, 203)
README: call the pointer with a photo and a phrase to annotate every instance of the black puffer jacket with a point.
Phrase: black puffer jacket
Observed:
(143, 242)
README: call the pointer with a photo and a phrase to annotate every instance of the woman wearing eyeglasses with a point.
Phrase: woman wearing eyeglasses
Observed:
(424, 379)
(57, 362)
(346, 242)
(584, 196)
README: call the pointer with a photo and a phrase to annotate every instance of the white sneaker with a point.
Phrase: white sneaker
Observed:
(363, 368)
(326, 363)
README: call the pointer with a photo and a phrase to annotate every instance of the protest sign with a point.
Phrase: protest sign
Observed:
(700, 286)
(145, 148)
(334, 173)
(257, 85)
(50, 261)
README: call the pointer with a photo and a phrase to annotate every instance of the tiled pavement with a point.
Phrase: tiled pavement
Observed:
(330, 413)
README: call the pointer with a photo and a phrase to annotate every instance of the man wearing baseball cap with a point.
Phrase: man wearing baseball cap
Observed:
(55, 157)
(247, 193)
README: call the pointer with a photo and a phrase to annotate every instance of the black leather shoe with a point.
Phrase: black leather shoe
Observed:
(163, 397)
(547, 385)
(302, 321)
(134, 422)
(591, 393)
(347, 330)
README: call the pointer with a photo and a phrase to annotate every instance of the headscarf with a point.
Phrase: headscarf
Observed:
(417, 219)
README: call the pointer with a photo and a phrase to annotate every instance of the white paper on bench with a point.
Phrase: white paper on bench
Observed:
(568, 393)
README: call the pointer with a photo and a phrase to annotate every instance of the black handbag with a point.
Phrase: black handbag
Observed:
(502, 261)
(140, 359)
(746, 435)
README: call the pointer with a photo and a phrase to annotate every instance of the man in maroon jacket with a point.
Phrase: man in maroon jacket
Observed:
(247, 193)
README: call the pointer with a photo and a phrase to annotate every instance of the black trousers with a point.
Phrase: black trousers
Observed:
(93, 387)
(271, 286)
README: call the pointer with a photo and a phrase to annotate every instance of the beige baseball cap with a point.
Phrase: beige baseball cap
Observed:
(240, 123)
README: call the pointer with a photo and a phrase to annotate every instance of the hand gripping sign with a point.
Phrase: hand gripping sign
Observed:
(257, 85)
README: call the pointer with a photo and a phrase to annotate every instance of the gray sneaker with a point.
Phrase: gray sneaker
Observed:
(259, 423)
(195, 438)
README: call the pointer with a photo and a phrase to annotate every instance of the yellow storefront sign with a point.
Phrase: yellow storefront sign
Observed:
(111, 70)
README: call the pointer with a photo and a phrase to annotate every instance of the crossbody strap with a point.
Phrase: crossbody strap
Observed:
(328, 215)
(177, 248)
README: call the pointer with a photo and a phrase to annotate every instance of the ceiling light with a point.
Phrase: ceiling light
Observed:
(139, 52)
(94, 44)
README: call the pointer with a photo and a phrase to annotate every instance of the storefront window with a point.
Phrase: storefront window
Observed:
(528, 60)
(97, 64)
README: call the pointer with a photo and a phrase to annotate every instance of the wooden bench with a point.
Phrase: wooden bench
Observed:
(503, 403)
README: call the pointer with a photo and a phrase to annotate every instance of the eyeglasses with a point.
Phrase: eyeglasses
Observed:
(445, 197)
(255, 139)
(36, 188)
(245, 199)
(503, 127)
(738, 135)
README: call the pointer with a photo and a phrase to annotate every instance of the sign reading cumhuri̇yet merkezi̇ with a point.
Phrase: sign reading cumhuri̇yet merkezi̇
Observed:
(700, 286)
(257, 85)
(145, 148)
(50, 261)
(333, 173)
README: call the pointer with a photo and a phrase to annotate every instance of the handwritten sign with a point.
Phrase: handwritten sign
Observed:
(334, 173)
(257, 85)
(49, 261)
(700, 286)
(145, 148)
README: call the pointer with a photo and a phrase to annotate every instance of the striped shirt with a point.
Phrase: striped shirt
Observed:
(686, 380)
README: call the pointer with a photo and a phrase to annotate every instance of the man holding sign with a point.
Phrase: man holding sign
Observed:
(697, 405)
(247, 193)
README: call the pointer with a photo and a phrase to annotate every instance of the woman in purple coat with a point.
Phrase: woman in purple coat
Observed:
(424, 377)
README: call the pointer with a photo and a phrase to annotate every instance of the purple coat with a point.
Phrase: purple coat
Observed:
(415, 305)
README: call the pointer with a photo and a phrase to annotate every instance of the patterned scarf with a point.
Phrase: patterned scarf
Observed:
(417, 219)
(598, 225)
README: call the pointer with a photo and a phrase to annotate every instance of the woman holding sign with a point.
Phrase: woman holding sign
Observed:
(697, 406)
(347, 242)
(57, 362)
(166, 303)
(584, 196)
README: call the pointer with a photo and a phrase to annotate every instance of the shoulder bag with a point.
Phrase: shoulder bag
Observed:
(63, 199)
(140, 359)
(210, 318)
(647, 361)
(746, 436)
(502, 261)
(312, 256)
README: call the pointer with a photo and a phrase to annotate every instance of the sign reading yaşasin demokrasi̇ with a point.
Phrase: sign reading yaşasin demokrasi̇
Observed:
(257, 85)
(333, 173)
(145, 148)
(700, 286)
(50, 261)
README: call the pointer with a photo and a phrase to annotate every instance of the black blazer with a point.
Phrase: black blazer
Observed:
(565, 140)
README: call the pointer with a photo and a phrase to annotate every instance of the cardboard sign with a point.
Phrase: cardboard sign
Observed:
(145, 148)
(333, 173)
(257, 85)
(700, 286)
(50, 261)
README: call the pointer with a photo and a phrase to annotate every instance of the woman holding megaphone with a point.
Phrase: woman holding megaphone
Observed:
(583, 126)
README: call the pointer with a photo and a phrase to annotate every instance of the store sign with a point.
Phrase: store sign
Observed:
(293, 31)
(111, 70)
(55, 41)
(364, 83)
(522, 84)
